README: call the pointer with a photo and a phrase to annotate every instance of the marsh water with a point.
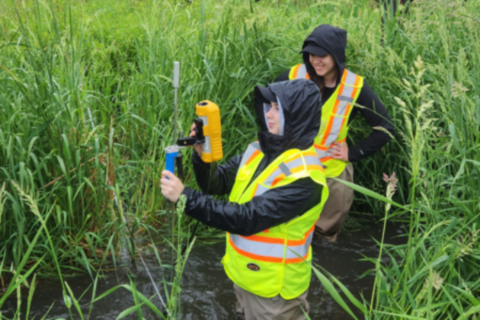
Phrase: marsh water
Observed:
(207, 293)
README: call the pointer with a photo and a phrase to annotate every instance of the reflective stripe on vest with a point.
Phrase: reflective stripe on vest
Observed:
(346, 94)
(271, 262)
(285, 169)
(338, 118)
(267, 248)
(272, 249)
(298, 72)
(252, 152)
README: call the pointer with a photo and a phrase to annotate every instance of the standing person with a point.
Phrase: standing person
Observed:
(344, 95)
(277, 190)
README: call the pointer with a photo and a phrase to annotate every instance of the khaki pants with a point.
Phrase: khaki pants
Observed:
(253, 307)
(336, 208)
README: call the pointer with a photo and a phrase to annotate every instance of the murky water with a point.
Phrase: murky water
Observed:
(207, 293)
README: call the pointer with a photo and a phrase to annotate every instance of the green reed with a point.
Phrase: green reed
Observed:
(61, 59)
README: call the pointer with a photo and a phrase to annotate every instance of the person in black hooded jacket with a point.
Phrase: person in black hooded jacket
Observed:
(324, 60)
(296, 105)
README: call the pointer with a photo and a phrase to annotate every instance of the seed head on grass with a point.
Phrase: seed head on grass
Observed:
(392, 182)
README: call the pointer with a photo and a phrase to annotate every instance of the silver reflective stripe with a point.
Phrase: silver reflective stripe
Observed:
(301, 250)
(284, 169)
(302, 72)
(311, 160)
(258, 248)
(344, 98)
(321, 153)
(272, 177)
(346, 92)
(294, 163)
(337, 123)
(350, 78)
(261, 190)
(252, 147)
(271, 250)
(344, 101)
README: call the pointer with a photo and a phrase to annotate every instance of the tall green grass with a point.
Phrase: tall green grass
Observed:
(61, 59)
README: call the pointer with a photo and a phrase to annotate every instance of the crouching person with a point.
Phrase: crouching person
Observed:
(277, 190)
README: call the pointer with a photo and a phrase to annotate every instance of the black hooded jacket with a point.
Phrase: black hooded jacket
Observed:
(334, 40)
(300, 101)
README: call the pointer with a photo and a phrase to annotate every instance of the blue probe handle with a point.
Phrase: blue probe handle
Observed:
(170, 161)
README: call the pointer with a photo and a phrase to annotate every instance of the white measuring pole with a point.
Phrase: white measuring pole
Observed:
(176, 80)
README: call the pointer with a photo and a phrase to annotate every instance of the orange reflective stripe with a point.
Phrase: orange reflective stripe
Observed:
(330, 120)
(296, 169)
(317, 146)
(301, 241)
(355, 87)
(295, 71)
(344, 77)
(278, 179)
(265, 239)
(326, 159)
(280, 240)
(354, 91)
(314, 167)
(296, 260)
(254, 155)
(310, 153)
(307, 76)
(255, 191)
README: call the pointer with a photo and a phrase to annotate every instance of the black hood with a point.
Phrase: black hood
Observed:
(332, 39)
(300, 101)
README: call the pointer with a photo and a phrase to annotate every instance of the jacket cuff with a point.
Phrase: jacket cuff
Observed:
(355, 154)
(189, 194)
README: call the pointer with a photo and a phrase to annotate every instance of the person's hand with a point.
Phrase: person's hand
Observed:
(197, 147)
(172, 187)
(339, 151)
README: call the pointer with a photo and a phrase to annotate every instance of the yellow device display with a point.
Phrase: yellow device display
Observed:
(208, 129)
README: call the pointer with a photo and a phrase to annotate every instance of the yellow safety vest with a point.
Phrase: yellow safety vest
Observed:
(335, 113)
(270, 262)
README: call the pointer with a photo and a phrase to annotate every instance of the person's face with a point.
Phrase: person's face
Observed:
(323, 65)
(273, 118)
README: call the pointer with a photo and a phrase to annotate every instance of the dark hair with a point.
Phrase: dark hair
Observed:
(318, 80)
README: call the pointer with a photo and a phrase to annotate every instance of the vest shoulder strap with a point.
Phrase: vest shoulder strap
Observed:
(346, 95)
(251, 153)
(298, 72)
(289, 167)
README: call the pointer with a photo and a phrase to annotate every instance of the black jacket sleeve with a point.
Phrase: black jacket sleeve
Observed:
(215, 179)
(283, 76)
(377, 117)
(270, 209)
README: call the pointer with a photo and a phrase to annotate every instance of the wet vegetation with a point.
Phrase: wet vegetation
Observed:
(87, 109)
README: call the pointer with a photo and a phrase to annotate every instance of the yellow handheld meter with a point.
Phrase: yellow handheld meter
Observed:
(208, 132)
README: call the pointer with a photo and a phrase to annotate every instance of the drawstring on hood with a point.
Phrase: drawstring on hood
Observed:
(331, 39)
